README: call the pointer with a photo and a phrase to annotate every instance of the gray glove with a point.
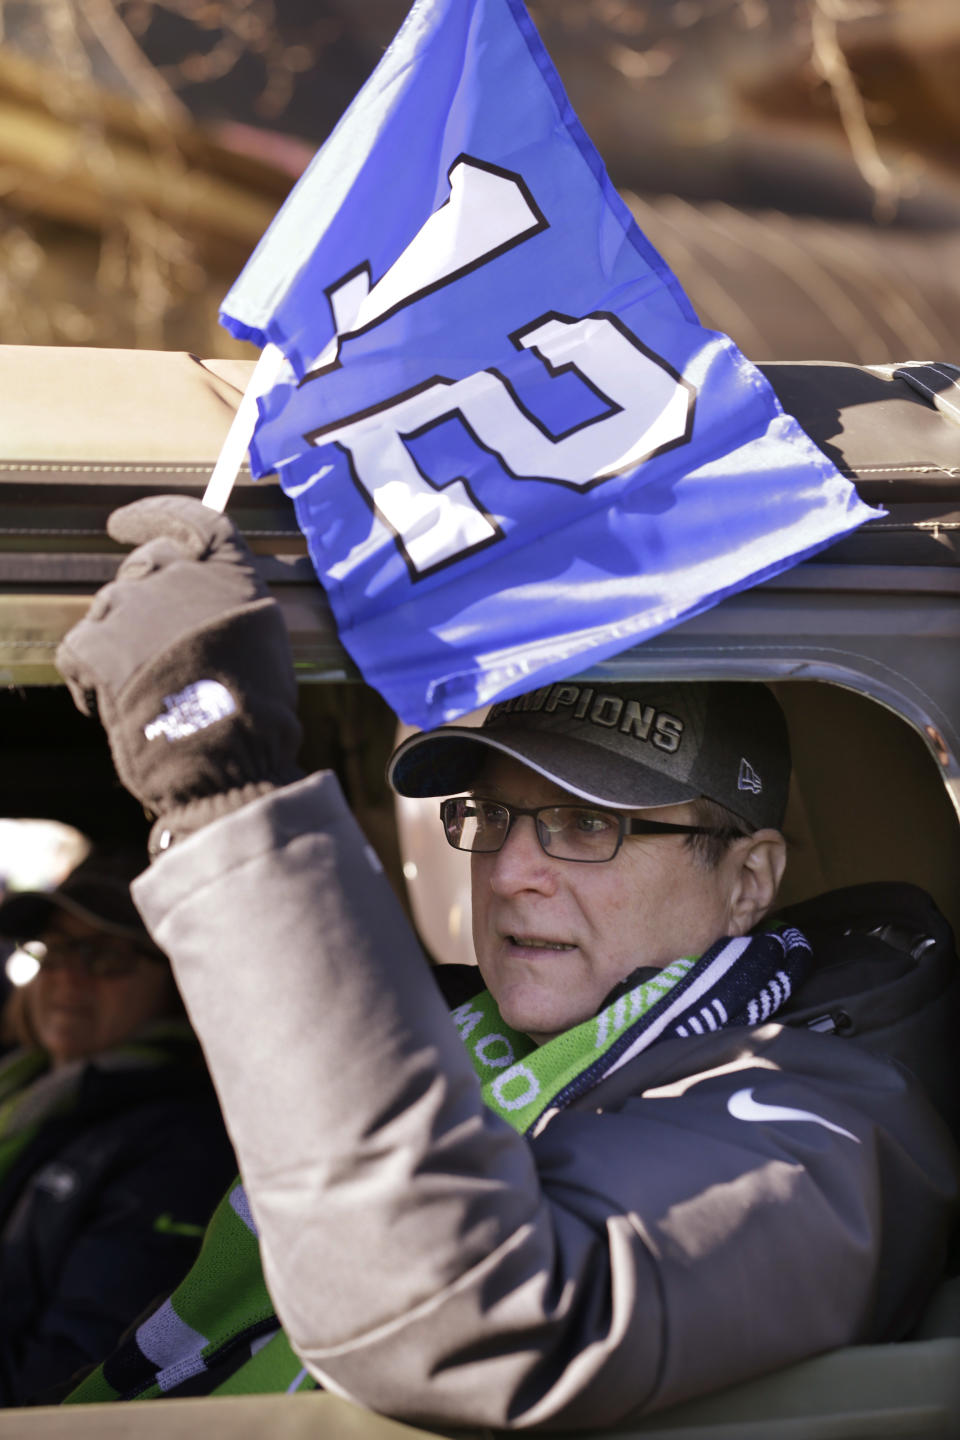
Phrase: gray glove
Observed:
(185, 659)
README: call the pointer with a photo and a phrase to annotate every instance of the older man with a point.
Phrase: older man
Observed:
(619, 1185)
(615, 780)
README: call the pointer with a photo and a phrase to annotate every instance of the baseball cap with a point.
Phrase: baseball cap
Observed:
(627, 747)
(97, 890)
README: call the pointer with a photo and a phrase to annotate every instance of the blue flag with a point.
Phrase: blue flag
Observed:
(512, 449)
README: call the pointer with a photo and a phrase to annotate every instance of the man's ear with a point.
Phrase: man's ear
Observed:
(758, 862)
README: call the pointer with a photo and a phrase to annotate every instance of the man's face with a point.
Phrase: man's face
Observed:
(553, 937)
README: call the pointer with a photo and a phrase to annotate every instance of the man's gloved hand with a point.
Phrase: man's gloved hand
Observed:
(186, 660)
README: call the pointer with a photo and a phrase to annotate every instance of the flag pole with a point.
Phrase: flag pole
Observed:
(235, 446)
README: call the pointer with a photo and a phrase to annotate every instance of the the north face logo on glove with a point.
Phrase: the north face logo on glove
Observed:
(190, 710)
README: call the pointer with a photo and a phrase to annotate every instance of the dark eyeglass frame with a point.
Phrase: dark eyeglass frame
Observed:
(97, 956)
(626, 825)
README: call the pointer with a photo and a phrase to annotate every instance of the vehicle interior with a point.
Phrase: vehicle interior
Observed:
(860, 643)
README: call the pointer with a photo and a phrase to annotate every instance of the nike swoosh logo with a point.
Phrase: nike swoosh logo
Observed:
(742, 1106)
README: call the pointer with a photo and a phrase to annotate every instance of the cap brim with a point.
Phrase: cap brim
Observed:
(25, 915)
(444, 762)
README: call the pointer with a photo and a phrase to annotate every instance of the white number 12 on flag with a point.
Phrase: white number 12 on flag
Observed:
(649, 407)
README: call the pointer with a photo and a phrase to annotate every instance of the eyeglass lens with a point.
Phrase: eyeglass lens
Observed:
(568, 832)
(101, 958)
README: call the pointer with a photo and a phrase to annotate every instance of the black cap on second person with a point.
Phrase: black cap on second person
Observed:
(628, 747)
(97, 890)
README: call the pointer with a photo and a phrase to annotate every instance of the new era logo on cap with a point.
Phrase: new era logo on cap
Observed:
(748, 779)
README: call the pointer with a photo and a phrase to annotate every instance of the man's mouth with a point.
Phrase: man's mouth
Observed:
(536, 942)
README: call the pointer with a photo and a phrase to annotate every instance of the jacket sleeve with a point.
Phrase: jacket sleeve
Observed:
(100, 1257)
(425, 1259)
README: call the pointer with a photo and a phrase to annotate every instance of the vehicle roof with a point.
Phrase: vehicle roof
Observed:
(87, 429)
(82, 431)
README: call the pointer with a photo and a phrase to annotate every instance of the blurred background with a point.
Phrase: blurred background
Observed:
(797, 162)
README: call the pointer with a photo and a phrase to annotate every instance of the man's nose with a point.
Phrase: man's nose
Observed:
(521, 864)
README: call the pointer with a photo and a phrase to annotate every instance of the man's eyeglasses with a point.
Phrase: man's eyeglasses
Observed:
(105, 958)
(566, 832)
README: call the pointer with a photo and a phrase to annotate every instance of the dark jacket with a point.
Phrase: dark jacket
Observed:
(719, 1206)
(103, 1211)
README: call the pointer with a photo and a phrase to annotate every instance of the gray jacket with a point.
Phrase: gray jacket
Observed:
(721, 1206)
